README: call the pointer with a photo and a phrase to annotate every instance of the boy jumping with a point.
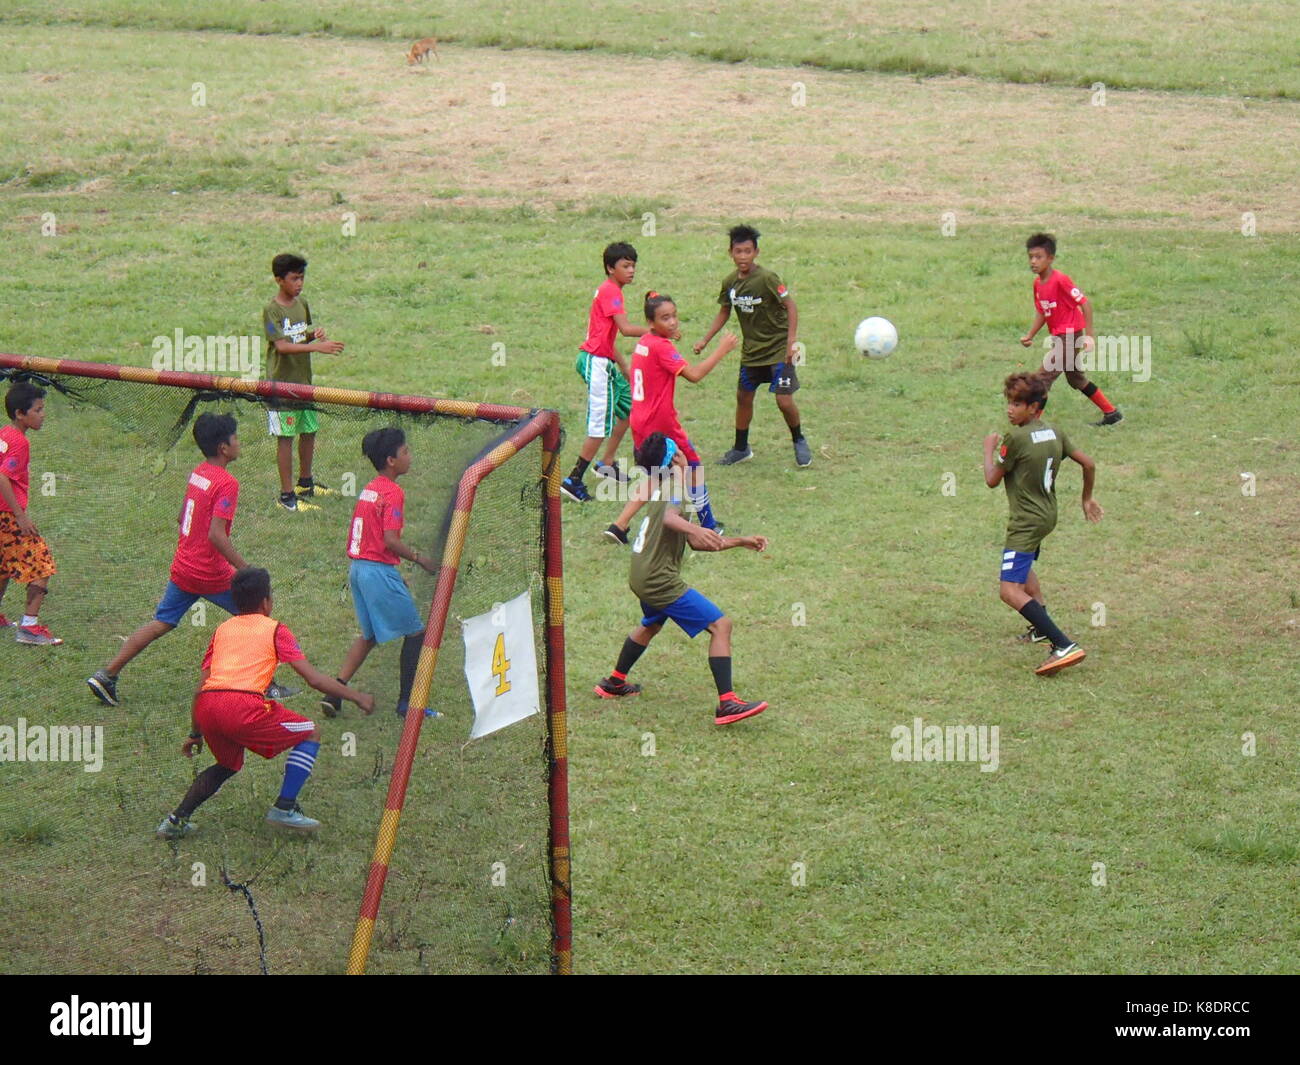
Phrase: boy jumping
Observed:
(1028, 458)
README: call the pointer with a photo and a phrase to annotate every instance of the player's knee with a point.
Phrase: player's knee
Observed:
(721, 627)
(1077, 380)
(1010, 593)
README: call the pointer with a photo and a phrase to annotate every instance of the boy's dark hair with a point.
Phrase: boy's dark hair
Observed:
(213, 430)
(1042, 240)
(248, 587)
(653, 301)
(288, 263)
(380, 445)
(19, 398)
(740, 234)
(1025, 388)
(650, 454)
(618, 251)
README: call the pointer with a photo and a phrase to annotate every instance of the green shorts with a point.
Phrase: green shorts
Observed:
(609, 399)
(292, 422)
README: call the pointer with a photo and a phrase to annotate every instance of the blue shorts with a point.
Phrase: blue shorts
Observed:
(385, 609)
(692, 612)
(779, 377)
(174, 603)
(1016, 564)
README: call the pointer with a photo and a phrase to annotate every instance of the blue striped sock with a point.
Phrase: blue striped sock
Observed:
(297, 769)
(700, 500)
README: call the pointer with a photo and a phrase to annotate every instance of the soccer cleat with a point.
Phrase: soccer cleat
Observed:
(609, 688)
(279, 692)
(5, 622)
(311, 491)
(733, 456)
(104, 687)
(612, 472)
(736, 710)
(294, 820)
(1030, 635)
(38, 635)
(403, 707)
(169, 829)
(1110, 419)
(331, 705)
(1061, 658)
(802, 453)
(575, 490)
(619, 536)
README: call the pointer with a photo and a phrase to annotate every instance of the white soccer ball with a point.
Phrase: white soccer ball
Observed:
(876, 337)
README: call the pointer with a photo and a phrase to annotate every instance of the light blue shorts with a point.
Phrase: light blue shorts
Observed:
(385, 609)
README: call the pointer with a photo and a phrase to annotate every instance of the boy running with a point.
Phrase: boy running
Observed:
(205, 558)
(769, 322)
(232, 714)
(602, 367)
(1029, 458)
(286, 321)
(656, 581)
(24, 556)
(383, 602)
(1064, 309)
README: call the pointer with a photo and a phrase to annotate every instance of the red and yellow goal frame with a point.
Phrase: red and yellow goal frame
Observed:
(541, 426)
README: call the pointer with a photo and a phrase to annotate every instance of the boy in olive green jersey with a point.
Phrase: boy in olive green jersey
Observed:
(656, 580)
(290, 340)
(1028, 458)
(769, 322)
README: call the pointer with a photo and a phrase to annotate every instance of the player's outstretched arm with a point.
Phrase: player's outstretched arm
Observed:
(324, 347)
(700, 538)
(627, 329)
(754, 543)
(194, 741)
(1091, 508)
(1039, 322)
(701, 369)
(719, 320)
(992, 471)
(329, 686)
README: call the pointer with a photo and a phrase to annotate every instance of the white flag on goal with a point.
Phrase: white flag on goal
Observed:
(501, 665)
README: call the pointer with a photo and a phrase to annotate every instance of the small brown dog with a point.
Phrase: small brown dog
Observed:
(420, 50)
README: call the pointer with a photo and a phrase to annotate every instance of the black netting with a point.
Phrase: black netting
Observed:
(87, 886)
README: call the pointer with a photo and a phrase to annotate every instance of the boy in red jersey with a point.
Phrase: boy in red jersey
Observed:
(205, 558)
(24, 555)
(232, 713)
(383, 602)
(656, 365)
(602, 367)
(1061, 305)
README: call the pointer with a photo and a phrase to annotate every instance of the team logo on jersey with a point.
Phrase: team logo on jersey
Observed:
(1038, 436)
(781, 291)
(744, 304)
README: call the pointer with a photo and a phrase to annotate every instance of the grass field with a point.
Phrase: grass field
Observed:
(439, 224)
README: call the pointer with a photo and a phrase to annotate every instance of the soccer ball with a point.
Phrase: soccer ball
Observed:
(876, 337)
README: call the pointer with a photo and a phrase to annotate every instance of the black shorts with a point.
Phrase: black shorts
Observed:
(780, 378)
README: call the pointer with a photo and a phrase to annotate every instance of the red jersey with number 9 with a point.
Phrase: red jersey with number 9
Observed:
(379, 507)
(211, 495)
(655, 366)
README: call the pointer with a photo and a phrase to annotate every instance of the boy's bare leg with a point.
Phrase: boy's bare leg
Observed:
(615, 438)
(788, 409)
(284, 461)
(35, 597)
(720, 638)
(356, 655)
(744, 409)
(137, 642)
(1033, 589)
(306, 452)
(636, 500)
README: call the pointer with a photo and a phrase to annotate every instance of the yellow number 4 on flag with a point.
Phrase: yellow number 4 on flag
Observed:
(501, 664)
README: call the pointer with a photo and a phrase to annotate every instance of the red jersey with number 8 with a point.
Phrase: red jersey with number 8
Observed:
(379, 507)
(211, 495)
(655, 366)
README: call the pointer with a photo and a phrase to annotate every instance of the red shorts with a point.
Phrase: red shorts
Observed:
(676, 434)
(232, 721)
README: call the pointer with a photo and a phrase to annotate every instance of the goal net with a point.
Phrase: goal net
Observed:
(436, 853)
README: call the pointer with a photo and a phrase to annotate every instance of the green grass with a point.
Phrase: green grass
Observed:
(1158, 44)
(683, 861)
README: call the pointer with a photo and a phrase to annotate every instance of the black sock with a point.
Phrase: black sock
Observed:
(721, 667)
(628, 656)
(410, 658)
(580, 470)
(1088, 389)
(305, 482)
(742, 439)
(205, 785)
(796, 433)
(1036, 614)
(286, 495)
